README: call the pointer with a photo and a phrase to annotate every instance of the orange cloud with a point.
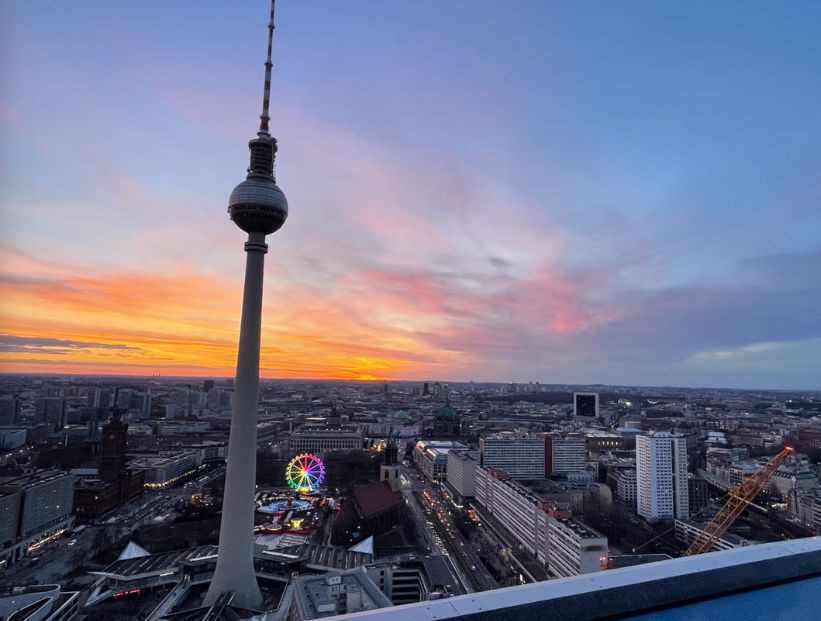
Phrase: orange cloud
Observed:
(184, 323)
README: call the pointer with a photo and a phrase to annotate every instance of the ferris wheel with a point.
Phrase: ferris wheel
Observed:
(305, 473)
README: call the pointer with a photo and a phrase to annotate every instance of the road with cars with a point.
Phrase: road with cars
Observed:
(430, 504)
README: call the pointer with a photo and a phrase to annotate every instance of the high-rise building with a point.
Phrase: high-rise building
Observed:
(259, 208)
(661, 476)
(522, 457)
(9, 410)
(99, 398)
(563, 545)
(565, 454)
(52, 411)
(33, 508)
(461, 474)
(586, 404)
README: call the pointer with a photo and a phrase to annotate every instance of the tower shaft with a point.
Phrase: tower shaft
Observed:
(235, 563)
(258, 207)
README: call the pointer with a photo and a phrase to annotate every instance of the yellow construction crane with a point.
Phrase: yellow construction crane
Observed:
(741, 496)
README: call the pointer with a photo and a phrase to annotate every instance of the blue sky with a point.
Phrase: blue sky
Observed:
(564, 192)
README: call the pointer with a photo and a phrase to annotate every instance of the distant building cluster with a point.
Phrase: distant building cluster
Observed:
(545, 473)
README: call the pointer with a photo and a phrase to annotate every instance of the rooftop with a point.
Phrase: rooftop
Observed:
(580, 529)
(757, 583)
(315, 597)
(375, 498)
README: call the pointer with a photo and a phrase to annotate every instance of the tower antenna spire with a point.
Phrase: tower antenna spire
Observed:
(266, 94)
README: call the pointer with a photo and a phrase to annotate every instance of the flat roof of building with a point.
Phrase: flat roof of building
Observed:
(35, 478)
(156, 563)
(320, 555)
(580, 529)
(767, 579)
(315, 601)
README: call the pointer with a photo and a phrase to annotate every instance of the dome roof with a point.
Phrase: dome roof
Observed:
(446, 412)
(258, 205)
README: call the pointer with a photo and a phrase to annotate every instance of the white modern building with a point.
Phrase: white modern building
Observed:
(431, 457)
(573, 548)
(514, 506)
(565, 546)
(661, 476)
(522, 457)
(687, 530)
(461, 473)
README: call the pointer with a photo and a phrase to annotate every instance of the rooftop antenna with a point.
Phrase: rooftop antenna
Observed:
(266, 95)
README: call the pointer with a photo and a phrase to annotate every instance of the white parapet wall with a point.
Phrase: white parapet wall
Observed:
(654, 586)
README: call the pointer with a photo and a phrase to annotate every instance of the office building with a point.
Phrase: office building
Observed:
(461, 474)
(661, 476)
(563, 545)
(809, 508)
(33, 508)
(165, 470)
(316, 439)
(522, 457)
(586, 404)
(625, 484)
(698, 493)
(513, 505)
(51, 411)
(686, 532)
(565, 454)
(573, 548)
(431, 457)
(10, 409)
(100, 398)
(603, 441)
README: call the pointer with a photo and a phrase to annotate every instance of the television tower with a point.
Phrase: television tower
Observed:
(259, 208)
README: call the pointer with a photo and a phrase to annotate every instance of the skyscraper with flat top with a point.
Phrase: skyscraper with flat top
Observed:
(661, 476)
(258, 207)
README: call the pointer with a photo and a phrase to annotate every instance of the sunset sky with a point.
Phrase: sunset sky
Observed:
(611, 192)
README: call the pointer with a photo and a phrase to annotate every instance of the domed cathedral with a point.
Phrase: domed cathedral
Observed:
(447, 423)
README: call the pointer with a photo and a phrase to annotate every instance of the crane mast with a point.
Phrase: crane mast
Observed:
(741, 496)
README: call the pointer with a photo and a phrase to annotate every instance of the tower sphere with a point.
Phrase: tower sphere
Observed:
(257, 205)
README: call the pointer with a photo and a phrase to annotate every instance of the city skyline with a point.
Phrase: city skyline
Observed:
(549, 202)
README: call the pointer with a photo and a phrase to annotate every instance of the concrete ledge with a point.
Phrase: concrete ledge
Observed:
(629, 590)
